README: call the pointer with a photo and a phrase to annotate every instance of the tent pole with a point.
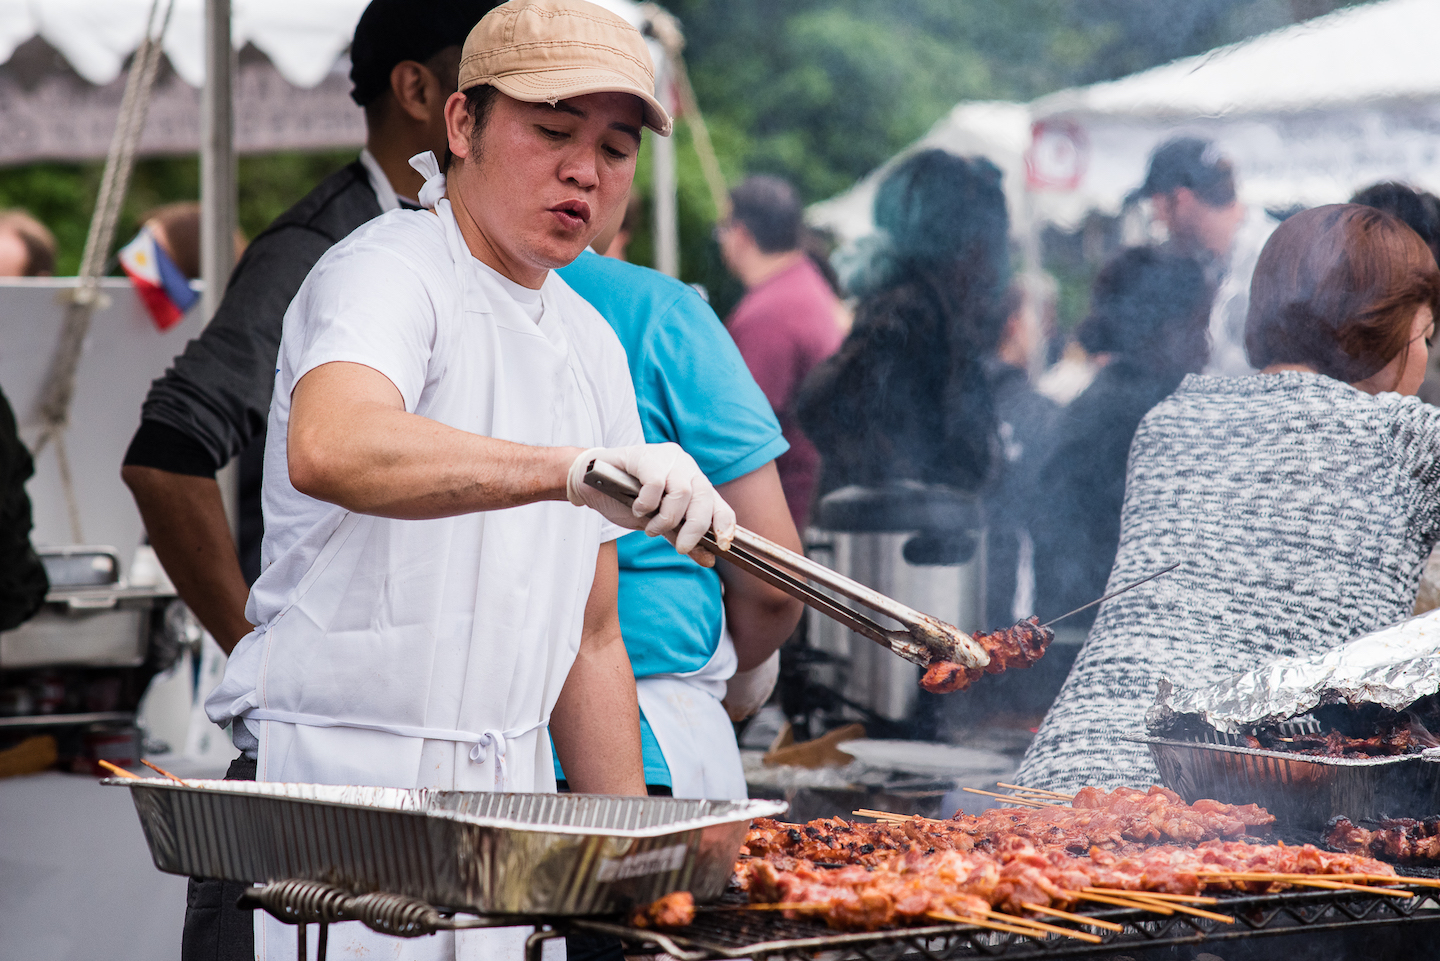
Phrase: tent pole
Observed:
(667, 231)
(218, 198)
(664, 183)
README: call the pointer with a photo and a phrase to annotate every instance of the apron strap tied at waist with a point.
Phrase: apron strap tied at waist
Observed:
(488, 744)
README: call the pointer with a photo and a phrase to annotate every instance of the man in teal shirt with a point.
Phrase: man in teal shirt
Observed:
(685, 635)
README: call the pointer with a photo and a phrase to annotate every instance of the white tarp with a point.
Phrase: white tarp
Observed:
(1308, 113)
(302, 38)
(294, 95)
(123, 353)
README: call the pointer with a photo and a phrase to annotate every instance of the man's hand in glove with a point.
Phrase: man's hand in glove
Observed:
(676, 500)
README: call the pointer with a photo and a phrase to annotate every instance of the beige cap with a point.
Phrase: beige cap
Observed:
(541, 51)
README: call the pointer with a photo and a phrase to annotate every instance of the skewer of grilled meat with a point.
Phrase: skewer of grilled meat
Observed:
(914, 886)
(1121, 821)
(1017, 646)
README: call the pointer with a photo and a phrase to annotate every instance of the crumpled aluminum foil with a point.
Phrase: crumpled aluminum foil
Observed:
(1392, 667)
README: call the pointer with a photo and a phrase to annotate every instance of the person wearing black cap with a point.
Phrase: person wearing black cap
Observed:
(1191, 188)
(212, 404)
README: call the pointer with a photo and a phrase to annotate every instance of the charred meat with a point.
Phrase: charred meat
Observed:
(1017, 646)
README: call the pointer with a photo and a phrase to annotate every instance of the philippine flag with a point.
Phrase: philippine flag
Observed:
(157, 280)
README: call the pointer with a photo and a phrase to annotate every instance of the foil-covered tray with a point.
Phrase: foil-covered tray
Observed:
(1390, 668)
(1301, 790)
(497, 854)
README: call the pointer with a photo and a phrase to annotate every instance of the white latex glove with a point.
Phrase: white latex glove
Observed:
(683, 502)
(747, 691)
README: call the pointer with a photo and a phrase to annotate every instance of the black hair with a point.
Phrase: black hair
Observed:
(1418, 208)
(770, 209)
(390, 31)
(479, 102)
(1152, 305)
(1194, 164)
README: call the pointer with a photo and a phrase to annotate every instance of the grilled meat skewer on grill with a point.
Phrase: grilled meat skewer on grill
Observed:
(1017, 646)
(1405, 840)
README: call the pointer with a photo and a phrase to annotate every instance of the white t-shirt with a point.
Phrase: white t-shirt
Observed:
(463, 623)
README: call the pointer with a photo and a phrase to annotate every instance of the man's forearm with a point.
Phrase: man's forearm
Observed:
(596, 721)
(185, 518)
(352, 443)
(596, 725)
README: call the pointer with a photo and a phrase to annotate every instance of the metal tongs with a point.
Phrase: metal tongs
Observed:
(923, 640)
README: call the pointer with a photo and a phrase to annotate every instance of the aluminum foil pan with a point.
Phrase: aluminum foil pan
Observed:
(1301, 790)
(1392, 668)
(507, 854)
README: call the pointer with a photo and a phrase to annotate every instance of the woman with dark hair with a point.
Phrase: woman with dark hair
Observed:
(1300, 502)
(906, 396)
(1149, 313)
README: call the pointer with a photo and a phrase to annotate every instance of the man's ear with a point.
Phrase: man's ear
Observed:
(459, 125)
(413, 84)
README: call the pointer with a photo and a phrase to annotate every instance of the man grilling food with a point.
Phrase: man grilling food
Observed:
(435, 590)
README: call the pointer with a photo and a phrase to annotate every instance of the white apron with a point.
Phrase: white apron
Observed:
(464, 697)
(692, 728)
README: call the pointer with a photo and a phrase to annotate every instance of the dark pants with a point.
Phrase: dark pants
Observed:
(216, 930)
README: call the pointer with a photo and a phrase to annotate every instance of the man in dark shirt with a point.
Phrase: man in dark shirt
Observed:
(788, 321)
(214, 402)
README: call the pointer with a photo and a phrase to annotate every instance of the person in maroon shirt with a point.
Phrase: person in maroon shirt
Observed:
(788, 320)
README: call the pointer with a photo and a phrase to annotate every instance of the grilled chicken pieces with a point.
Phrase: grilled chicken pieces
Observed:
(674, 910)
(1018, 646)
(1405, 840)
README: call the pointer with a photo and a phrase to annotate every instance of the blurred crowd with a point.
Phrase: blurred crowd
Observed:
(951, 371)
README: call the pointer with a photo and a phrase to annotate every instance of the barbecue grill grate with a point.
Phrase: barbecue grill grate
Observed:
(726, 931)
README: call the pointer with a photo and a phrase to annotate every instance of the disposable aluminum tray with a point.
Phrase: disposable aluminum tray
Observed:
(506, 854)
(1301, 790)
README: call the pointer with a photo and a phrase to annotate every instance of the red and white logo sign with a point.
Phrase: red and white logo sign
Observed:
(1058, 155)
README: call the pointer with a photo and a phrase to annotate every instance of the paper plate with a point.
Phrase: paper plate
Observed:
(924, 757)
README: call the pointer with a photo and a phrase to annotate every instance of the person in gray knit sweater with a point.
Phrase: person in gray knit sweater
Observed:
(1301, 501)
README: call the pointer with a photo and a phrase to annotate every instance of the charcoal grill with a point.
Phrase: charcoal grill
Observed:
(727, 931)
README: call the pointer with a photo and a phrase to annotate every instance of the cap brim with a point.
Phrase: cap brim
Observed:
(548, 86)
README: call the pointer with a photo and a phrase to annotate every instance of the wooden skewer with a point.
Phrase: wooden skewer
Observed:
(981, 923)
(1187, 909)
(1042, 926)
(119, 771)
(1155, 906)
(1382, 879)
(1014, 925)
(891, 817)
(1401, 879)
(1307, 880)
(1080, 918)
(1013, 799)
(1035, 790)
(787, 906)
(1155, 895)
(162, 772)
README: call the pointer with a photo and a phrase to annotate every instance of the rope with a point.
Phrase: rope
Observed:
(666, 29)
(59, 388)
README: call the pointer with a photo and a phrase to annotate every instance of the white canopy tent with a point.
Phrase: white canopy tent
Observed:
(61, 80)
(1308, 113)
